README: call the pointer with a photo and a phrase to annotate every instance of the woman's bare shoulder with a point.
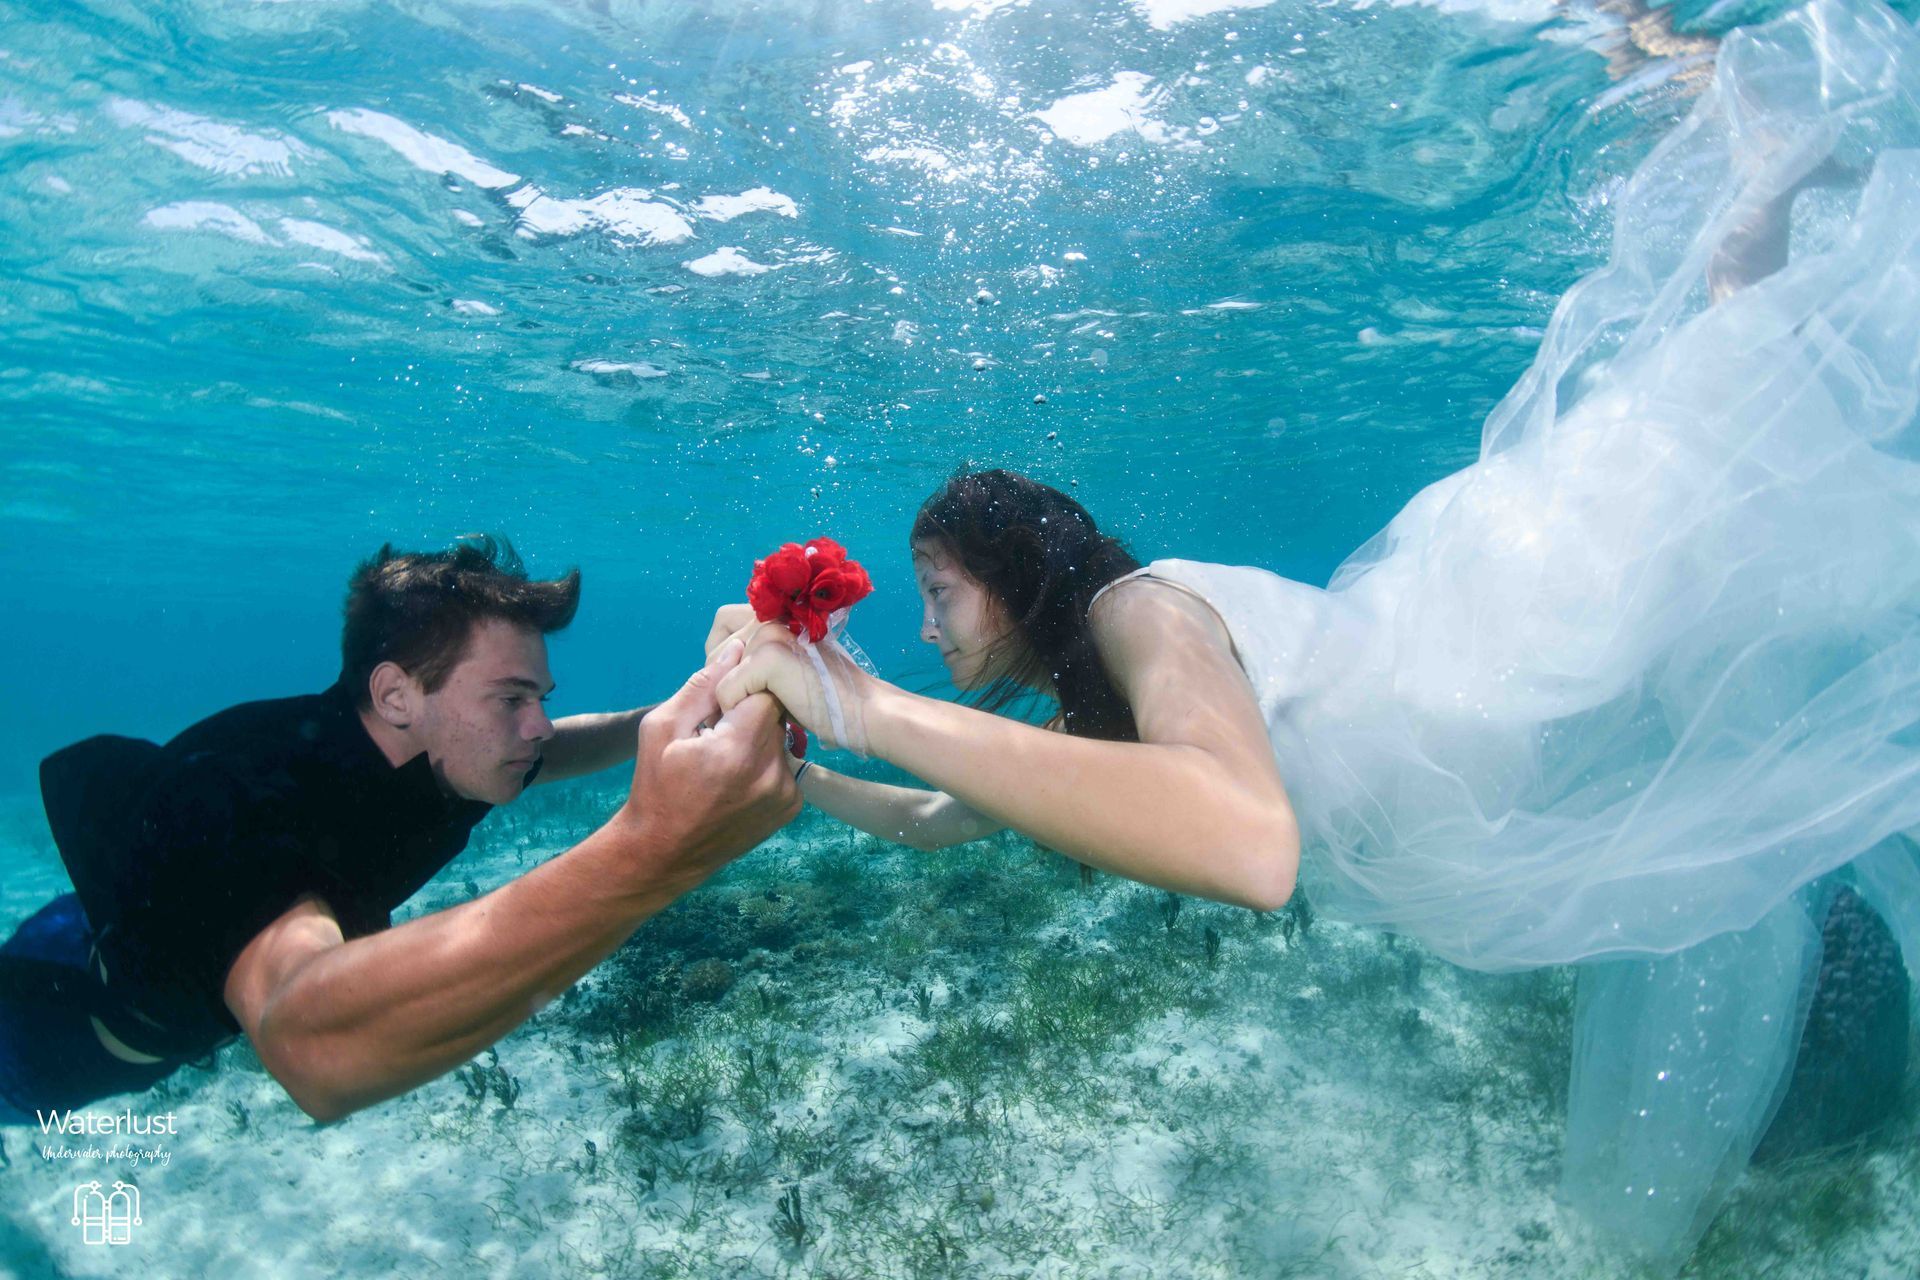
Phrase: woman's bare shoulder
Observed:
(1140, 610)
(1173, 659)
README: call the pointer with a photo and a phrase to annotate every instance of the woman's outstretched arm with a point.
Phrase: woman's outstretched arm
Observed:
(1196, 806)
(913, 816)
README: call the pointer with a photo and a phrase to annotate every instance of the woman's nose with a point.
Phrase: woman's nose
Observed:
(929, 631)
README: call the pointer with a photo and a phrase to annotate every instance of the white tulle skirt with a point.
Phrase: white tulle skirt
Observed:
(1638, 687)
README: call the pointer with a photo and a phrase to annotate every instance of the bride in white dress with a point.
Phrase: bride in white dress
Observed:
(1638, 690)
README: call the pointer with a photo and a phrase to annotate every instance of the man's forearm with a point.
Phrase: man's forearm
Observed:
(589, 743)
(374, 1017)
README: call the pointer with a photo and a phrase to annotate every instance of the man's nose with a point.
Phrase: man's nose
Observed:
(542, 727)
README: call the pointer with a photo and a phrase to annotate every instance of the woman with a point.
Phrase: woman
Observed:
(1639, 689)
(1164, 772)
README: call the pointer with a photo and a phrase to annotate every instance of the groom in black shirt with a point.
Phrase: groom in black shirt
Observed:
(239, 879)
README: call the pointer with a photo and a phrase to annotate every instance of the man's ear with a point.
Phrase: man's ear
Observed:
(396, 695)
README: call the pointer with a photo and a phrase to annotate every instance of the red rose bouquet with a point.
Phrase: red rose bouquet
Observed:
(809, 588)
(804, 586)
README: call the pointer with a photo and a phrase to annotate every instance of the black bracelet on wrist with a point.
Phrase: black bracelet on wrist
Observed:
(801, 772)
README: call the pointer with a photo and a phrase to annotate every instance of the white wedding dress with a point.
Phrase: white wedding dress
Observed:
(1640, 685)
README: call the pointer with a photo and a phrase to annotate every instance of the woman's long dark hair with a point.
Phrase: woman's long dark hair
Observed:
(1041, 556)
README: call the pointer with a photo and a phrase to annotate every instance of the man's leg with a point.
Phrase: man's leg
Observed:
(50, 1058)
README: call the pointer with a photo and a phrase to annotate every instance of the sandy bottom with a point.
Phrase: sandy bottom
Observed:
(841, 1059)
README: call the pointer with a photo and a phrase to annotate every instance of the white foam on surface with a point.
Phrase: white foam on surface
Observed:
(17, 119)
(648, 103)
(474, 307)
(726, 261)
(422, 150)
(618, 368)
(207, 215)
(758, 200)
(1126, 105)
(1163, 15)
(628, 212)
(318, 235)
(208, 144)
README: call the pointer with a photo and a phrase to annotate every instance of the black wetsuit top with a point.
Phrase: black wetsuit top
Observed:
(182, 854)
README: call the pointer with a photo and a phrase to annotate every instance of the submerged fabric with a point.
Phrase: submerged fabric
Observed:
(1623, 690)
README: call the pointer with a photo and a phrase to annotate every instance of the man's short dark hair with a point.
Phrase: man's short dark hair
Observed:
(419, 608)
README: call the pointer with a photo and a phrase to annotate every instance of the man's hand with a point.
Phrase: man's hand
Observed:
(707, 787)
(775, 664)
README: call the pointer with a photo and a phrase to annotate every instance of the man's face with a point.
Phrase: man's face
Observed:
(484, 728)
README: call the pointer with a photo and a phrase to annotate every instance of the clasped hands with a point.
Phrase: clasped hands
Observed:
(777, 663)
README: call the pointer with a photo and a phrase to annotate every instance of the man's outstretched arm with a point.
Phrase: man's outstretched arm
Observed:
(343, 1025)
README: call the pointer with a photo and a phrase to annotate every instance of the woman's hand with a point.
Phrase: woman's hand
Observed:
(729, 620)
(776, 663)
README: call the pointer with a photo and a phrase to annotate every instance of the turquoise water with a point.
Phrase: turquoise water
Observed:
(1293, 302)
(651, 288)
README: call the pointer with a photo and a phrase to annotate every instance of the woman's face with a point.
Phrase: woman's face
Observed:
(961, 617)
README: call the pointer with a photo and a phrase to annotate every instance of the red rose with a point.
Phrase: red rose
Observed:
(830, 590)
(778, 581)
(826, 554)
(862, 584)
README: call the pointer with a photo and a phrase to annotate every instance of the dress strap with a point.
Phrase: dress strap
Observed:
(1146, 571)
(1142, 572)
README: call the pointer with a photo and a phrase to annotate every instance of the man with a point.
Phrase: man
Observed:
(238, 880)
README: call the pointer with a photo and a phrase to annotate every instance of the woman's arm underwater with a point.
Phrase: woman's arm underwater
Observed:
(1757, 244)
(921, 819)
(1195, 806)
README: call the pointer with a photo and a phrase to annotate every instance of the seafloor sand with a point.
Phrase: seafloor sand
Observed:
(840, 1059)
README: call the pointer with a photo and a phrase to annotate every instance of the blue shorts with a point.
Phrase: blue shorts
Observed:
(50, 1058)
